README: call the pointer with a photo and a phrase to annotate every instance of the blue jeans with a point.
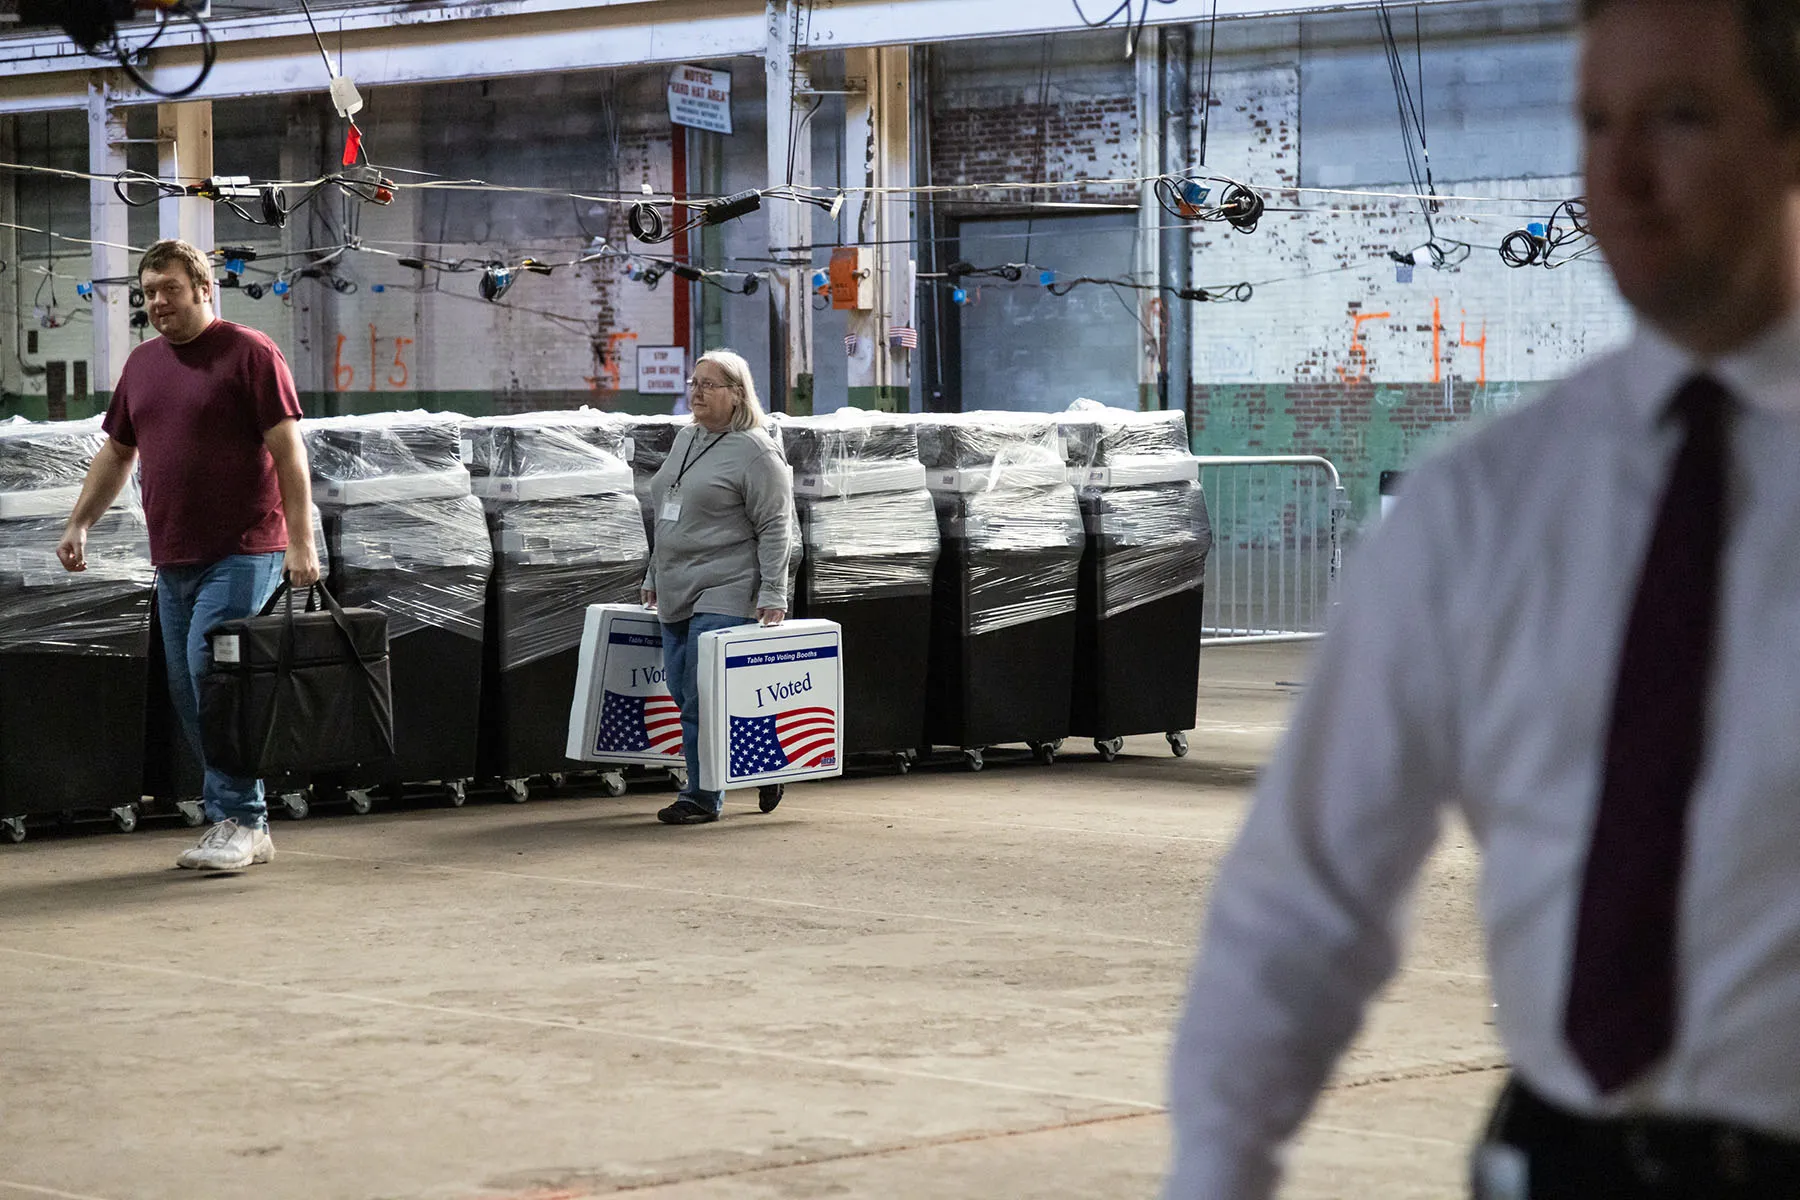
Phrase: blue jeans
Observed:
(190, 601)
(681, 659)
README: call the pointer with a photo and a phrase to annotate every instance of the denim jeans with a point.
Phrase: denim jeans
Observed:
(681, 660)
(190, 601)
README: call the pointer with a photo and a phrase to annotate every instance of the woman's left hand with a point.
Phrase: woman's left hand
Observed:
(771, 616)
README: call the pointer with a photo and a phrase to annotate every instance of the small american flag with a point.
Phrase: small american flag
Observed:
(800, 737)
(639, 724)
(903, 337)
(850, 345)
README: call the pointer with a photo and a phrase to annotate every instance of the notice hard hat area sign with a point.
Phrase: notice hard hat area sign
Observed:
(771, 704)
(700, 99)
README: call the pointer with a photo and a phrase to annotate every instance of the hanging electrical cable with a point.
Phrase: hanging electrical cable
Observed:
(1134, 25)
(1190, 197)
(93, 25)
(1439, 255)
(1538, 243)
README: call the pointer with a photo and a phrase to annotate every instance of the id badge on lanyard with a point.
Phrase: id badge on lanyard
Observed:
(671, 506)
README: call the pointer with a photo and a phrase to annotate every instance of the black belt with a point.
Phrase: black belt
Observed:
(1572, 1157)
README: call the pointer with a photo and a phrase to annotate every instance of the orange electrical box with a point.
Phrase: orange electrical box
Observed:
(843, 277)
(852, 284)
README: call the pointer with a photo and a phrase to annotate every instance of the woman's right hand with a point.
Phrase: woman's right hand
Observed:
(647, 598)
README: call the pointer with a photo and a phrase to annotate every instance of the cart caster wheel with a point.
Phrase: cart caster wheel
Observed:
(518, 791)
(1109, 747)
(902, 764)
(555, 780)
(13, 829)
(296, 806)
(974, 759)
(361, 802)
(1178, 745)
(192, 812)
(679, 775)
(457, 792)
(125, 817)
(1044, 752)
(768, 796)
(612, 783)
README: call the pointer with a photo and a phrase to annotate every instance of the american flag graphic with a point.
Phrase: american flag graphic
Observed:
(800, 737)
(639, 724)
(903, 337)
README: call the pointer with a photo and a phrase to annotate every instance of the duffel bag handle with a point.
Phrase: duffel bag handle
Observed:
(285, 589)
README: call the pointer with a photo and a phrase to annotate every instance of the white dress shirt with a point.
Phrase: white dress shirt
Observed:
(1471, 662)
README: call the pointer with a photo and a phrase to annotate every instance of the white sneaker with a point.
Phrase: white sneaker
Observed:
(228, 846)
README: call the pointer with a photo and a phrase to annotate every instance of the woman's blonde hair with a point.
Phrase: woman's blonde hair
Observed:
(749, 414)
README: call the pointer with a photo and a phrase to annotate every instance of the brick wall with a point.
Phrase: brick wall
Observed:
(1335, 354)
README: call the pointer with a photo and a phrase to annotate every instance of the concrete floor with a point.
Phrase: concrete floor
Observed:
(939, 986)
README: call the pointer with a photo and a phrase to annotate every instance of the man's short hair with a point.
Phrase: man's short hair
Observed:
(1772, 37)
(173, 252)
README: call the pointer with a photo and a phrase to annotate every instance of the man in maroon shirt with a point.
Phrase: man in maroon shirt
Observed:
(212, 410)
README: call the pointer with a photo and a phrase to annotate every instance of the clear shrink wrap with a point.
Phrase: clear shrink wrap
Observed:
(564, 522)
(961, 441)
(104, 610)
(423, 562)
(1023, 550)
(556, 557)
(849, 438)
(1154, 542)
(43, 463)
(381, 458)
(547, 455)
(868, 525)
(865, 545)
(1004, 505)
(1095, 435)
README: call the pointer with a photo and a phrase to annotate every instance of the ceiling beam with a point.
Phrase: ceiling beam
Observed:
(408, 43)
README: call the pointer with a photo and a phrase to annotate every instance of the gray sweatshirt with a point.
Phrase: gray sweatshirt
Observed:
(726, 551)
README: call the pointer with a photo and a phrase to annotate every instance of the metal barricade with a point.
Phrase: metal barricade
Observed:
(1275, 555)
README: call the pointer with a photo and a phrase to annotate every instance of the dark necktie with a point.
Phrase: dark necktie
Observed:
(1621, 1011)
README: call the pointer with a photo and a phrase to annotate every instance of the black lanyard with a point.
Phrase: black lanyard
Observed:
(690, 458)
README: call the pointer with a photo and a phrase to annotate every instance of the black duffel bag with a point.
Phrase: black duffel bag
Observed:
(286, 693)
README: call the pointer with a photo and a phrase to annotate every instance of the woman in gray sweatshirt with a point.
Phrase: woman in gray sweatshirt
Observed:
(723, 502)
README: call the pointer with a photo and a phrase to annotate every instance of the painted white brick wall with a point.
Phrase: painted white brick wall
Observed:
(1319, 269)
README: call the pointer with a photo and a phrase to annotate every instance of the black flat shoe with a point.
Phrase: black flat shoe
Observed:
(686, 812)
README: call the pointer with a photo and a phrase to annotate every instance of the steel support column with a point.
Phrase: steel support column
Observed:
(790, 224)
(878, 131)
(1177, 244)
(111, 231)
(184, 154)
(1153, 308)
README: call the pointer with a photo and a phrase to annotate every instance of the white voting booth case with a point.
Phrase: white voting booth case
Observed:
(771, 704)
(623, 712)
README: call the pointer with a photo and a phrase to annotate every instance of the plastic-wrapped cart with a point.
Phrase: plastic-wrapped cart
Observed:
(73, 646)
(408, 538)
(871, 545)
(1137, 645)
(1003, 601)
(567, 534)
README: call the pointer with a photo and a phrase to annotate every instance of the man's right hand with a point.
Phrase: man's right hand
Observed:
(647, 598)
(72, 550)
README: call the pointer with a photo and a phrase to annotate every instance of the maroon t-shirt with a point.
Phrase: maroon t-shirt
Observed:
(197, 413)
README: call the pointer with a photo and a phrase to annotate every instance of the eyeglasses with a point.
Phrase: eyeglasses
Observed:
(708, 385)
